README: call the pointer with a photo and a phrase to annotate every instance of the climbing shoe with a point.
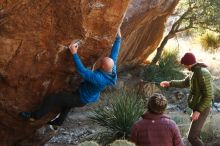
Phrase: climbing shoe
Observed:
(54, 127)
(27, 116)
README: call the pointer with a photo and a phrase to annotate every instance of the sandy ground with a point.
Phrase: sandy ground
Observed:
(77, 127)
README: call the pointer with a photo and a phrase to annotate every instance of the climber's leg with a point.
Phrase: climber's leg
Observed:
(50, 103)
(55, 101)
(62, 116)
(71, 100)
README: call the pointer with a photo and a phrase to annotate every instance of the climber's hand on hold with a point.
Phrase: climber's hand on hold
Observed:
(74, 48)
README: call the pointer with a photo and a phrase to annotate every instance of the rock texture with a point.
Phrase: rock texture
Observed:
(143, 28)
(33, 63)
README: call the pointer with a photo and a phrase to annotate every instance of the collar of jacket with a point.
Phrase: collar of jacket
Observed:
(109, 76)
(150, 116)
(198, 66)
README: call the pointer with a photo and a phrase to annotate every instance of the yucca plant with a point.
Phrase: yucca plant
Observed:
(117, 118)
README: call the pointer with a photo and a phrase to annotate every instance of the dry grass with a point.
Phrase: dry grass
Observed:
(192, 45)
(209, 41)
(182, 120)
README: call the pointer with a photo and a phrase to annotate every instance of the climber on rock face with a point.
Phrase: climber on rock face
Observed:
(88, 91)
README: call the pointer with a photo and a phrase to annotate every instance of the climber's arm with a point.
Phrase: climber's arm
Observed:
(115, 50)
(85, 73)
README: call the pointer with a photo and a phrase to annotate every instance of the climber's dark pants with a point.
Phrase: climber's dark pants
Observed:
(62, 101)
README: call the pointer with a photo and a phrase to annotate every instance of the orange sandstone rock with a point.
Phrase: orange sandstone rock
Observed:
(32, 63)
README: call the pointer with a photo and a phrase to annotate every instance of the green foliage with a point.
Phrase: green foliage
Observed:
(209, 41)
(191, 14)
(167, 69)
(125, 108)
(200, 14)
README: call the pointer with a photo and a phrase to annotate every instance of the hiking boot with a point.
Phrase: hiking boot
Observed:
(27, 116)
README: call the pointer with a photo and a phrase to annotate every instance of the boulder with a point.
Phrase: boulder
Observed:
(34, 63)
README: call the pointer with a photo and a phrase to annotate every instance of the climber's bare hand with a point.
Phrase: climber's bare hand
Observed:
(73, 48)
(119, 32)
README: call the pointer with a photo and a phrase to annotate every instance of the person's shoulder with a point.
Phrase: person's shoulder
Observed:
(98, 74)
(205, 71)
(101, 76)
(171, 124)
(200, 68)
(167, 120)
(138, 123)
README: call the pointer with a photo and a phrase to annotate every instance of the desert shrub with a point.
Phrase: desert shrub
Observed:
(122, 143)
(115, 143)
(147, 89)
(182, 121)
(208, 133)
(216, 93)
(211, 130)
(210, 41)
(117, 118)
(88, 143)
(167, 69)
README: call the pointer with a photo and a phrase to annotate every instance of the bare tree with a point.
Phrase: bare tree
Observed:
(196, 14)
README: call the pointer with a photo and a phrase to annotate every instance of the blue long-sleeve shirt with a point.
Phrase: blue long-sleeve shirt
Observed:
(96, 81)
